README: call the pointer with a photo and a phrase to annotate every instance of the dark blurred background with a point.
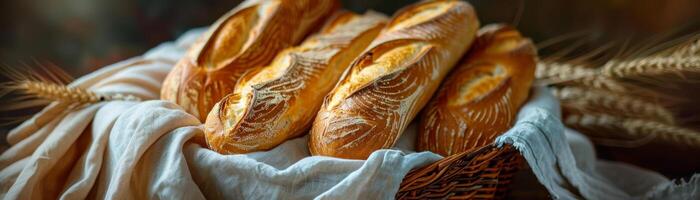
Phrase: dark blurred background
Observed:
(81, 36)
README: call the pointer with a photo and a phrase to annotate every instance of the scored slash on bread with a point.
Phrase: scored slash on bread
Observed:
(393, 79)
(247, 37)
(272, 104)
(480, 98)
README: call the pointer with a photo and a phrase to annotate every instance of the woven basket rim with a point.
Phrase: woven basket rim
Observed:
(482, 173)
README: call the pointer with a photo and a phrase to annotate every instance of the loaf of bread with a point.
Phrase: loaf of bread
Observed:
(279, 102)
(480, 98)
(247, 37)
(392, 79)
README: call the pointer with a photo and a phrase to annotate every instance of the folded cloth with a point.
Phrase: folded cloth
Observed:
(152, 149)
(564, 161)
(60, 150)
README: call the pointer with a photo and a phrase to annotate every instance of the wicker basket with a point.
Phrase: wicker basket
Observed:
(481, 174)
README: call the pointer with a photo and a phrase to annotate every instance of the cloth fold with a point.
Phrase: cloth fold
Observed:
(152, 149)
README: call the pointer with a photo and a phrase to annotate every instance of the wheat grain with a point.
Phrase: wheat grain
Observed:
(562, 71)
(614, 103)
(635, 128)
(689, 49)
(603, 83)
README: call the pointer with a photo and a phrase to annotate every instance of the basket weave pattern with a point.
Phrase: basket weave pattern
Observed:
(482, 174)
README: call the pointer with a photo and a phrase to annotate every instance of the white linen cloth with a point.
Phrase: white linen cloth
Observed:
(151, 149)
(564, 161)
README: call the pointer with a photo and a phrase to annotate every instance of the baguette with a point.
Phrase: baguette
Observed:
(392, 79)
(247, 37)
(481, 97)
(279, 102)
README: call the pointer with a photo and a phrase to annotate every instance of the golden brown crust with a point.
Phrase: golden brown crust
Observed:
(481, 97)
(247, 37)
(393, 79)
(278, 102)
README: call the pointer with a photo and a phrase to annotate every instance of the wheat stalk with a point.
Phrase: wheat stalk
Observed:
(636, 128)
(613, 103)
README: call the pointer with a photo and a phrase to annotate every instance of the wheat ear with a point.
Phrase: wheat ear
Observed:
(40, 85)
(614, 103)
(60, 92)
(650, 66)
(551, 73)
(681, 58)
(636, 128)
(561, 72)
